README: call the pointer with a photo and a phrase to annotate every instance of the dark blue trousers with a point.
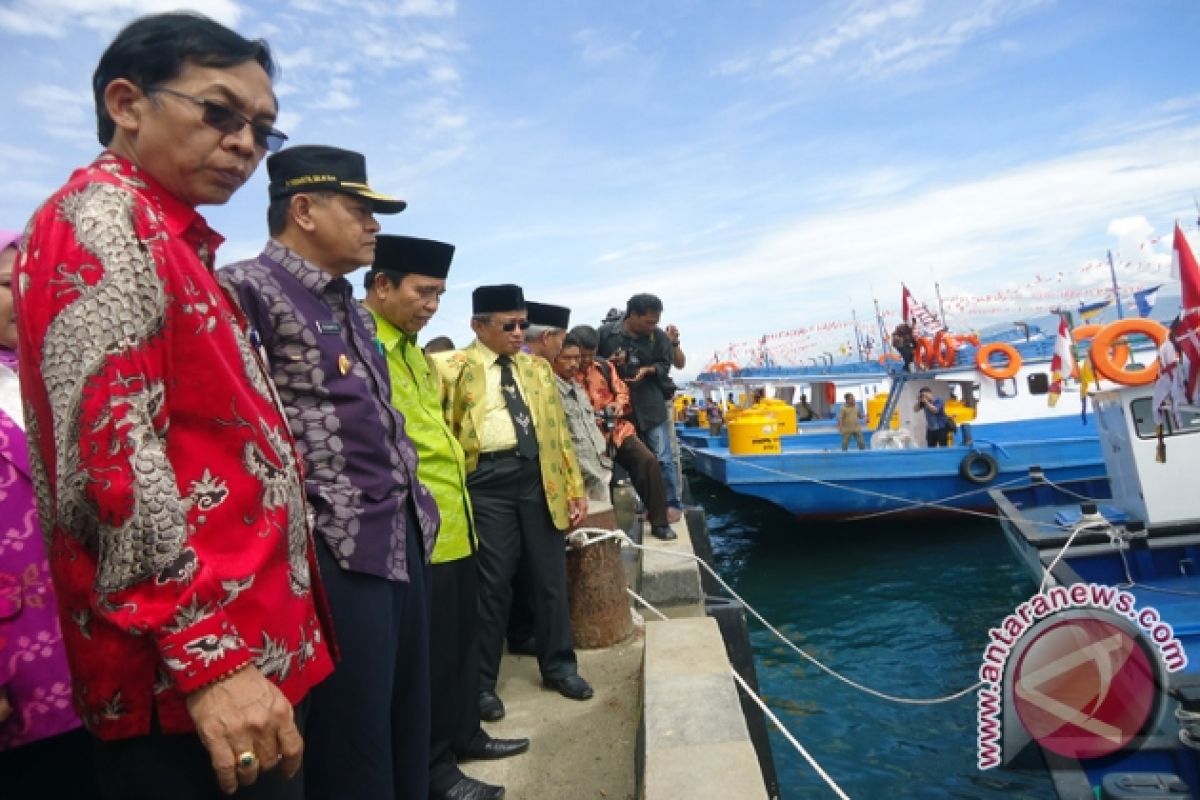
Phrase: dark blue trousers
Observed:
(368, 723)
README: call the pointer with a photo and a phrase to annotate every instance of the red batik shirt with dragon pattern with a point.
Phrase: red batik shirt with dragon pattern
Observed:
(168, 484)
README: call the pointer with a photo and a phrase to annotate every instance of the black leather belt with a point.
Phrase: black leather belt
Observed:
(496, 455)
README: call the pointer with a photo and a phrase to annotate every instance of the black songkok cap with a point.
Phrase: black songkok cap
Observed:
(318, 168)
(547, 314)
(401, 255)
(504, 297)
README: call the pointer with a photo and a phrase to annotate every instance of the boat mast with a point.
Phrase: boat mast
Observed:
(857, 338)
(1112, 270)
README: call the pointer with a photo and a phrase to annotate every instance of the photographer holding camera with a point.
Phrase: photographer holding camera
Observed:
(643, 354)
(610, 400)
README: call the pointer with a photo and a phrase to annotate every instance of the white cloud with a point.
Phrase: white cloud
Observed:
(596, 47)
(858, 24)
(1039, 218)
(54, 18)
(67, 114)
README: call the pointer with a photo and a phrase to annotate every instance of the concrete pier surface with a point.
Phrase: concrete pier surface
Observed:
(578, 749)
(670, 679)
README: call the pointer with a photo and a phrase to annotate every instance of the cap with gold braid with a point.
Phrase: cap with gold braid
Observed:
(319, 168)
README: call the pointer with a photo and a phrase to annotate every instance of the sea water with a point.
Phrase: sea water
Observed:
(902, 606)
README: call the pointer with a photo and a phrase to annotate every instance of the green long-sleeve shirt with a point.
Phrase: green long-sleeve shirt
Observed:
(442, 466)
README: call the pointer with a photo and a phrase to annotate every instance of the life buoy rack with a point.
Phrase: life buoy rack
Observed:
(724, 367)
(944, 349)
(1120, 351)
(1105, 346)
(979, 468)
(1007, 370)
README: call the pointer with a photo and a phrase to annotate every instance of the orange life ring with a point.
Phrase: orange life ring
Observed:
(830, 393)
(886, 357)
(1105, 342)
(725, 367)
(923, 353)
(984, 364)
(944, 348)
(1119, 352)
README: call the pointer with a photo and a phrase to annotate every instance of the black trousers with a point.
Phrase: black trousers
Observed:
(517, 534)
(646, 476)
(57, 766)
(454, 668)
(368, 724)
(178, 767)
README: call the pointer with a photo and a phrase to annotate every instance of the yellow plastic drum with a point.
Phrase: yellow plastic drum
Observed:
(753, 434)
(875, 410)
(782, 412)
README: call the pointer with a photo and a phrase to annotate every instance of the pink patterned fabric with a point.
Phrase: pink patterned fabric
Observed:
(33, 664)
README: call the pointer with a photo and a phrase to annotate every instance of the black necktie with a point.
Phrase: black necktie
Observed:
(527, 444)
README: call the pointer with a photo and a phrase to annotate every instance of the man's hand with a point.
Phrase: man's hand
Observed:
(613, 409)
(6, 708)
(641, 373)
(246, 713)
(577, 508)
(672, 334)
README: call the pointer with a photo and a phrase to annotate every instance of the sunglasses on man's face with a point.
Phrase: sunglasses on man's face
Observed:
(227, 120)
(513, 324)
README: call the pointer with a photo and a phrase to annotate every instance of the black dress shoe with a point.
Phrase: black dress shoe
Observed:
(490, 707)
(470, 789)
(571, 686)
(664, 532)
(487, 748)
(525, 647)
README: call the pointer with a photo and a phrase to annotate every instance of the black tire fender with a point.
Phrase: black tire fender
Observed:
(979, 468)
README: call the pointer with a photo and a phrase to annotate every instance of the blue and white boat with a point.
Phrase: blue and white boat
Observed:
(1137, 530)
(1011, 427)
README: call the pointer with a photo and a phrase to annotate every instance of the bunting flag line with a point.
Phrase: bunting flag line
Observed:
(923, 321)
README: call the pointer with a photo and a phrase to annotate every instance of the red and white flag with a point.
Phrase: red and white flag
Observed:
(1062, 363)
(1184, 267)
(923, 321)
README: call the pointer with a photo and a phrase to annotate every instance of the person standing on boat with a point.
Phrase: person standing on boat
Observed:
(167, 481)
(503, 407)
(804, 412)
(937, 424)
(403, 291)
(905, 344)
(644, 354)
(849, 423)
(369, 723)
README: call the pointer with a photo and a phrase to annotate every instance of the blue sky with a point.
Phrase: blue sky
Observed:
(762, 166)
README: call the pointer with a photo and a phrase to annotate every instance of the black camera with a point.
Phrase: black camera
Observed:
(606, 419)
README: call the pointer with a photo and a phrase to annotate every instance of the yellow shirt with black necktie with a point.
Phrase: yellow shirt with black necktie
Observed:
(473, 412)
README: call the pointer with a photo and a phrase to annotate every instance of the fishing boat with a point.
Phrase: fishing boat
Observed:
(1136, 531)
(1005, 426)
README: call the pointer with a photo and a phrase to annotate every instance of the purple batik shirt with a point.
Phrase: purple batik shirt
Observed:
(33, 662)
(360, 465)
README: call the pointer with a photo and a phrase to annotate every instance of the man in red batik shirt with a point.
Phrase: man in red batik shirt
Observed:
(167, 480)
